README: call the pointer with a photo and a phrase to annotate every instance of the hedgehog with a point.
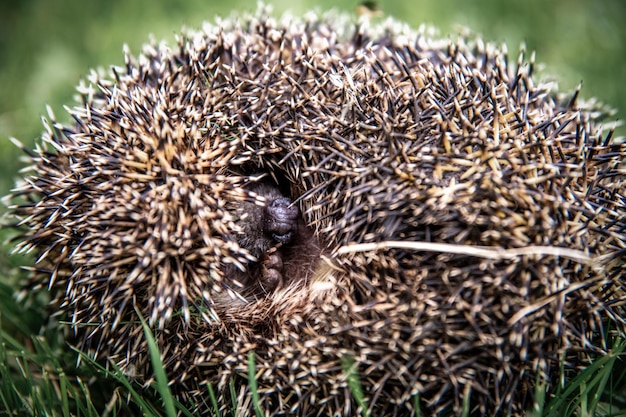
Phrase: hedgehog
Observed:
(333, 200)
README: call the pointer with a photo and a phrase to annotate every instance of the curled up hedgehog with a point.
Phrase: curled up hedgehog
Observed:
(332, 198)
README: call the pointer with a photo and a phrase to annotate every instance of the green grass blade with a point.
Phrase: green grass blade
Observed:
(540, 397)
(253, 385)
(416, 405)
(467, 394)
(581, 396)
(162, 384)
(348, 365)
(213, 398)
(64, 388)
(233, 396)
(118, 375)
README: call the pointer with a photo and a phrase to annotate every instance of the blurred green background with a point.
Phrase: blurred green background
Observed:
(46, 46)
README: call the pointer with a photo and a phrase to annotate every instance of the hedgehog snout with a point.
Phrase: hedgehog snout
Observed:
(281, 220)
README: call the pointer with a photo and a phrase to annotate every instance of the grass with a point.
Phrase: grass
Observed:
(39, 379)
(253, 385)
(349, 368)
(159, 372)
(597, 390)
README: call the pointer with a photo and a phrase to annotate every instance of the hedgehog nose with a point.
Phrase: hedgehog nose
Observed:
(281, 220)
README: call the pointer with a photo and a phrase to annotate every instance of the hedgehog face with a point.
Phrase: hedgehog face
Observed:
(270, 228)
(269, 219)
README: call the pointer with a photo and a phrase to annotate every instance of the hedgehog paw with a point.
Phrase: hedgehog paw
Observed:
(272, 270)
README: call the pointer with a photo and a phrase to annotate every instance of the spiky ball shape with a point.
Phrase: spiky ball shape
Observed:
(462, 227)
